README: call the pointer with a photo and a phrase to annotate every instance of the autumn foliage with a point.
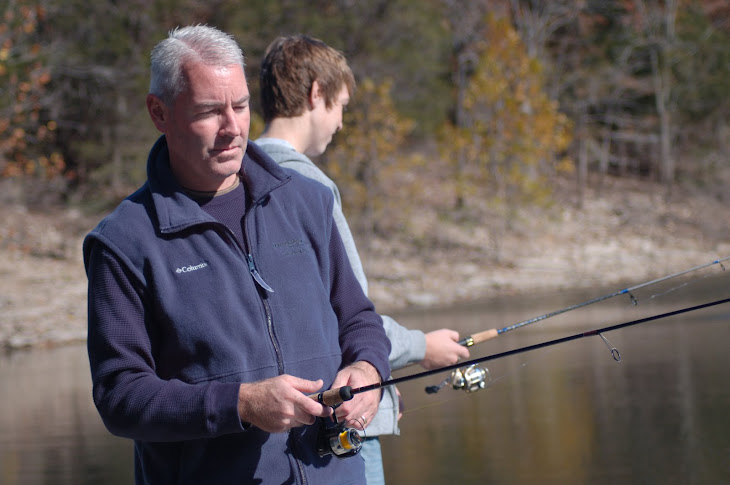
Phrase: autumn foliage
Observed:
(512, 137)
(367, 160)
(27, 133)
(460, 105)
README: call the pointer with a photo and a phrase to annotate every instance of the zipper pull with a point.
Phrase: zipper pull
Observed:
(256, 276)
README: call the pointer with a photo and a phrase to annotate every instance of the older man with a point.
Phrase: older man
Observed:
(220, 295)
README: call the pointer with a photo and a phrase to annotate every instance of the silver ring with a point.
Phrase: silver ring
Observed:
(364, 420)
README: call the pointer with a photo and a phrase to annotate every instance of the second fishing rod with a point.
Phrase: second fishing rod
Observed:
(485, 335)
(473, 378)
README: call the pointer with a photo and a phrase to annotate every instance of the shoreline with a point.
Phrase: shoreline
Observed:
(631, 237)
(53, 310)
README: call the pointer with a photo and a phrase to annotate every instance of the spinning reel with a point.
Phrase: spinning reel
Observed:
(468, 379)
(337, 439)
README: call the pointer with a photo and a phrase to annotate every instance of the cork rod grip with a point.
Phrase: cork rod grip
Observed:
(333, 397)
(479, 337)
(484, 336)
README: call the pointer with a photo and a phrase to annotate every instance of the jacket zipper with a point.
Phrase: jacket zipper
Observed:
(267, 309)
(301, 468)
(269, 320)
(262, 285)
(264, 299)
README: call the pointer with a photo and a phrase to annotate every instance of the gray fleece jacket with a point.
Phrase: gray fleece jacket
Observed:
(407, 346)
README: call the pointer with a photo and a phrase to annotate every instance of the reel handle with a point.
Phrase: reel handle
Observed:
(332, 397)
(479, 337)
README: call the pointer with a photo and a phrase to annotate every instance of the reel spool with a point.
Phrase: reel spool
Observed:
(338, 440)
(469, 379)
(341, 442)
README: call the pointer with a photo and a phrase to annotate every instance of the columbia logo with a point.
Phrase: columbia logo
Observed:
(188, 269)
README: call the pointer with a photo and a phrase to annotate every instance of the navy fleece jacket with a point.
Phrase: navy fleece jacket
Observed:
(177, 321)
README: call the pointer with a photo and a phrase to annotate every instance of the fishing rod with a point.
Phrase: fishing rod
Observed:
(472, 378)
(336, 396)
(342, 441)
(480, 337)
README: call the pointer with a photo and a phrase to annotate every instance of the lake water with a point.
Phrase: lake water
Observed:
(568, 413)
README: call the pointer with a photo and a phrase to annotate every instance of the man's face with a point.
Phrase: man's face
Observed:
(327, 122)
(207, 126)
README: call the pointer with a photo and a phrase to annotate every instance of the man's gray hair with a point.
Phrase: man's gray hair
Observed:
(197, 43)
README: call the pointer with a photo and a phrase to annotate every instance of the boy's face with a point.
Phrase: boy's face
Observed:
(327, 122)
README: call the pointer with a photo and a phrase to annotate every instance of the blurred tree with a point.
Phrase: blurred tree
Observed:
(587, 70)
(405, 40)
(97, 59)
(74, 75)
(515, 136)
(624, 71)
(377, 180)
(538, 21)
(27, 127)
(702, 83)
(100, 67)
(467, 31)
(657, 26)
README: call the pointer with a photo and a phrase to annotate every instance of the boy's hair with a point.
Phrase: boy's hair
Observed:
(289, 69)
(197, 43)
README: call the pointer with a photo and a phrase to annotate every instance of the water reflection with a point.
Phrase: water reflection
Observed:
(570, 413)
(50, 432)
(564, 414)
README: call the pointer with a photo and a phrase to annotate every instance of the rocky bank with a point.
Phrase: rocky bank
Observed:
(627, 232)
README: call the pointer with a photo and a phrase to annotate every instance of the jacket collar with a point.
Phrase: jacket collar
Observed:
(176, 211)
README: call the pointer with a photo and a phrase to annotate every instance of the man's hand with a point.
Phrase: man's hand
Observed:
(280, 403)
(442, 349)
(359, 411)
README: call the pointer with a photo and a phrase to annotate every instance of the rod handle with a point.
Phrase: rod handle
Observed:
(333, 397)
(479, 337)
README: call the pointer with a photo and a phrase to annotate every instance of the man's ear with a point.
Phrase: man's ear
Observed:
(159, 112)
(315, 96)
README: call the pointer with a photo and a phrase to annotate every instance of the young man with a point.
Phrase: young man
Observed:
(220, 295)
(305, 85)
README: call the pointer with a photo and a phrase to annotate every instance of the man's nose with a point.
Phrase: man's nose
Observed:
(230, 124)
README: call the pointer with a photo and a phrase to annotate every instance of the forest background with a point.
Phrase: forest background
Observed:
(491, 146)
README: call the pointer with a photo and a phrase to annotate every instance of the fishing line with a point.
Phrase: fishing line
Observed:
(684, 285)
